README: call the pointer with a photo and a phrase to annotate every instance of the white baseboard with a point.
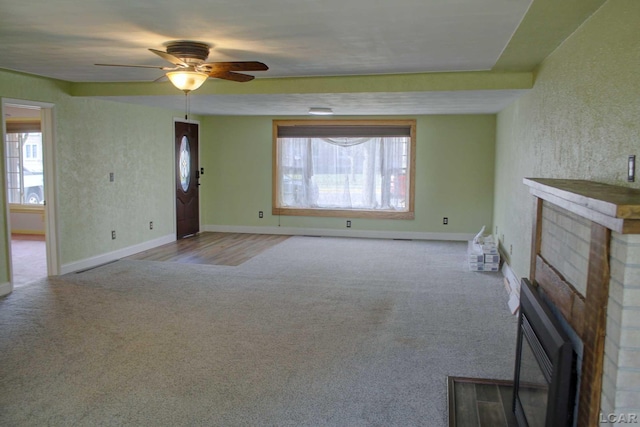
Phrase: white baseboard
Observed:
(327, 232)
(116, 255)
(512, 278)
(514, 285)
(5, 289)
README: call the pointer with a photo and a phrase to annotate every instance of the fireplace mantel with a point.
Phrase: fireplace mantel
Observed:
(605, 208)
(616, 208)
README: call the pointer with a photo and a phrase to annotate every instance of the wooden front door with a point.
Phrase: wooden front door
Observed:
(187, 174)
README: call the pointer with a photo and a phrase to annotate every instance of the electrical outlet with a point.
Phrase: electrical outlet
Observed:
(445, 220)
(113, 234)
(510, 249)
(348, 224)
(111, 177)
(631, 172)
(150, 225)
(260, 214)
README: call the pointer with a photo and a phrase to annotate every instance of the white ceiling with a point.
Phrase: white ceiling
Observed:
(63, 39)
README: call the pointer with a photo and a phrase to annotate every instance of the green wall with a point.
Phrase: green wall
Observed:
(93, 138)
(454, 176)
(580, 121)
(136, 144)
(15, 85)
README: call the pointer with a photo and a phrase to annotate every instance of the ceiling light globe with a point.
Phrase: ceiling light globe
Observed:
(187, 80)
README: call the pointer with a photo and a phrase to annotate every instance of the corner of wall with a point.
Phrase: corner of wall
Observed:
(5, 289)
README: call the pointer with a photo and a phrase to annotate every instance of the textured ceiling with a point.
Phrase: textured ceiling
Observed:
(63, 39)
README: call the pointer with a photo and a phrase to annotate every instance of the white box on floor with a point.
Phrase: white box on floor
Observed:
(476, 258)
(490, 249)
(491, 259)
(487, 248)
(491, 267)
(474, 253)
(476, 266)
(481, 266)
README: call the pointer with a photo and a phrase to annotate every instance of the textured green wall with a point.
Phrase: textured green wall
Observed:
(454, 175)
(20, 86)
(133, 142)
(92, 138)
(580, 121)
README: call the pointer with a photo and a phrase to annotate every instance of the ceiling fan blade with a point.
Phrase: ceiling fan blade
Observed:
(136, 66)
(167, 56)
(235, 66)
(230, 75)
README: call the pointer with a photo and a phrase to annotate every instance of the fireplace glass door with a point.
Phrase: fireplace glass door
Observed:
(544, 383)
(533, 387)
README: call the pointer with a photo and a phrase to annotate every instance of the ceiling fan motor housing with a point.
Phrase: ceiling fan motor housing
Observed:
(189, 51)
(188, 58)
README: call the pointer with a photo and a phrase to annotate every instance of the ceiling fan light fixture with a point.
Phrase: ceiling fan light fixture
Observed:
(187, 80)
(320, 111)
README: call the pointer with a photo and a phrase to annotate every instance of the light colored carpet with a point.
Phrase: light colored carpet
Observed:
(312, 332)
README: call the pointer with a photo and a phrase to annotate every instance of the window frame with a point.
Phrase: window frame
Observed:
(21, 139)
(408, 214)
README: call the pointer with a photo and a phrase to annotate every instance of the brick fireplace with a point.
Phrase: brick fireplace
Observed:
(586, 258)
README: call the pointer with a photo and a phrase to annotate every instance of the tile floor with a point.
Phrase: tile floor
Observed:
(480, 403)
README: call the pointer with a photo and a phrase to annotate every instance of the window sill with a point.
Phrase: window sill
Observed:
(344, 213)
(17, 208)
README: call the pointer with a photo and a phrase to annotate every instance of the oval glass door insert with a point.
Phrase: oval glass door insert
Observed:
(185, 164)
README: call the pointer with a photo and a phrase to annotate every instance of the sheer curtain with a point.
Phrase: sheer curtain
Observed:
(343, 173)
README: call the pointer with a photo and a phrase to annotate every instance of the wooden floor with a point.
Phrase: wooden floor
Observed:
(212, 248)
(480, 403)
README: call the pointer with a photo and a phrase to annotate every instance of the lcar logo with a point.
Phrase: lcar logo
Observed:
(619, 418)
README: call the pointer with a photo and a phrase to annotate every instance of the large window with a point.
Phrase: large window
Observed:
(24, 162)
(344, 168)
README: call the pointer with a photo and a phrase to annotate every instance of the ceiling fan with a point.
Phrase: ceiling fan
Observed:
(190, 70)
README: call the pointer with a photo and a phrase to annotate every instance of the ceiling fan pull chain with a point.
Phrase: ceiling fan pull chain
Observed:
(186, 105)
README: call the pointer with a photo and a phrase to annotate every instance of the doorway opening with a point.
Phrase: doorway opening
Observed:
(28, 171)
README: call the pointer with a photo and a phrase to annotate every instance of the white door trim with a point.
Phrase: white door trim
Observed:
(50, 193)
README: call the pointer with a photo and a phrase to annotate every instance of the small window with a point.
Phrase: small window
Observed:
(185, 164)
(25, 183)
(344, 168)
(31, 151)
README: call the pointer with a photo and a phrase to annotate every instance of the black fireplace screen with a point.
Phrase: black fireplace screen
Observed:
(544, 384)
(533, 390)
